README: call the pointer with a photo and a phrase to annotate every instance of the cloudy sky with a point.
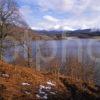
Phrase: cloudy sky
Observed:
(61, 14)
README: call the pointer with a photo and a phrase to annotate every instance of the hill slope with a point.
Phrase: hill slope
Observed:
(21, 83)
(58, 34)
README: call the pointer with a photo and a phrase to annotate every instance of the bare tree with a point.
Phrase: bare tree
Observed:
(9, 17)
(26, 42)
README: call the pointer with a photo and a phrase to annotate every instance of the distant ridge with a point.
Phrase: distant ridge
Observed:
(81, 33)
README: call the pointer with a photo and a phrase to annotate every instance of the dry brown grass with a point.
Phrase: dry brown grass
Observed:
(18, 75)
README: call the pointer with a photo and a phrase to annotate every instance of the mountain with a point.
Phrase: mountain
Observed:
(18, 32)
(84, 33)
(47, 32)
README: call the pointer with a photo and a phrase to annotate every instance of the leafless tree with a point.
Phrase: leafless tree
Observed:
(26, 43)
(9, 17)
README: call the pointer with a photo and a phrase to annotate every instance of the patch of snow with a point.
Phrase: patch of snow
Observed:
(41, 92)
(5, 75)
(27, 92)
(48, 88)
(50, 83)
(45, 97)
(42, 87)
(26, 84)
(38, 96)
(44, 91)
(53, 93)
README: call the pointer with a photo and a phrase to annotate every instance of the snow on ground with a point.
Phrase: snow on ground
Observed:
(5, 75)
(45, 90)
(50, 83)
(25, 84)
(28, 93)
